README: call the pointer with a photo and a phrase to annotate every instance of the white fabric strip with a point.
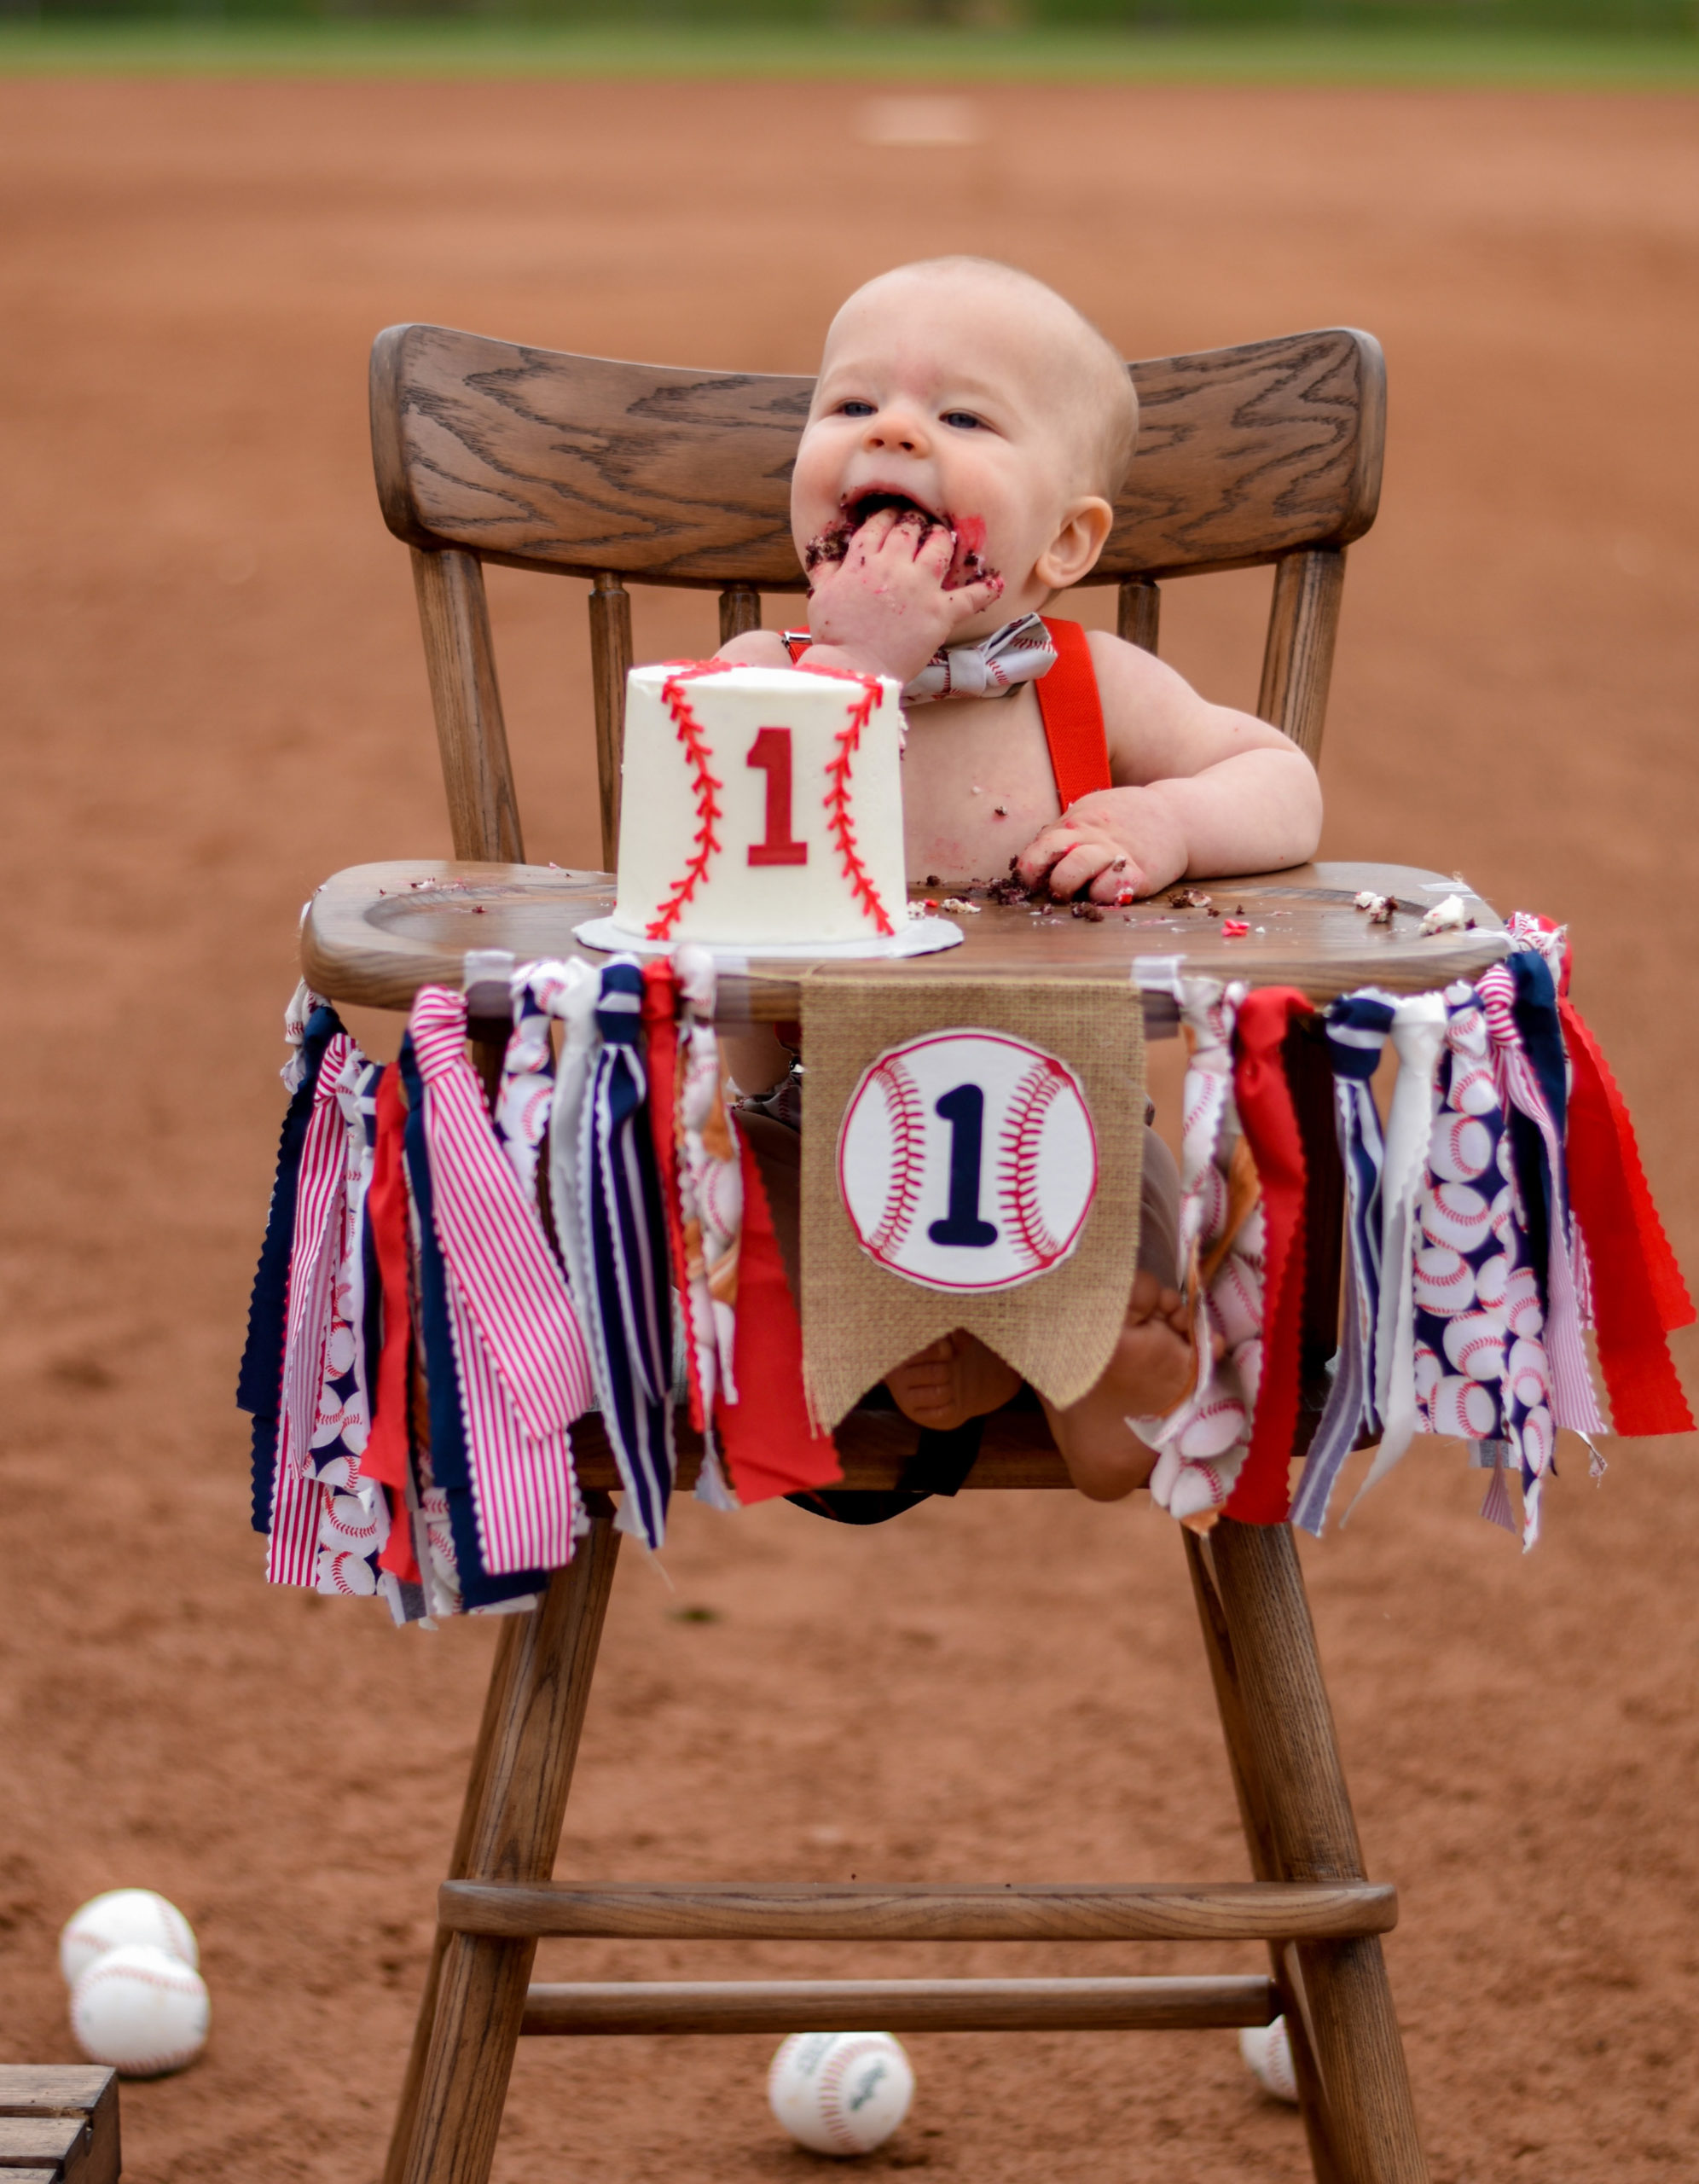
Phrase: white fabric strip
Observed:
(1418, 1035)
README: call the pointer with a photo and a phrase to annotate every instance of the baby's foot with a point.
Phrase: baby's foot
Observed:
(950, 1381)
(1151, 1371)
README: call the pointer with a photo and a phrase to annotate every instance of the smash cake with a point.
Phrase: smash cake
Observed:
(762, 810)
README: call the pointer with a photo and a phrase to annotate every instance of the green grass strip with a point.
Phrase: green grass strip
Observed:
(439, 49)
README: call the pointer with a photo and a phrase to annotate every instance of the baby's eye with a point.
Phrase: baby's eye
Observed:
(854, 408)
(964, 421)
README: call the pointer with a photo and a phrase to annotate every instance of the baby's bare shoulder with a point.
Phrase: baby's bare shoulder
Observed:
(1158, 727)
(756, 648)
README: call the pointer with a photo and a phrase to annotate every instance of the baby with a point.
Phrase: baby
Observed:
(968, 434)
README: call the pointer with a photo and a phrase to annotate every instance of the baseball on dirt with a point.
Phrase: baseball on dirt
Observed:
(141, 2011)
(121, 1915)
(1267, 2055)
(842, 2093)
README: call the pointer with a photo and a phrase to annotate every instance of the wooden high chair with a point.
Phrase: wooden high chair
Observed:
(581, 466)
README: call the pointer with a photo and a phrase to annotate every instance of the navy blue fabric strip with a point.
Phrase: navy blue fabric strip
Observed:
(449, 1465)
(628, 1251)
(1535, 1010)
(259, 1381)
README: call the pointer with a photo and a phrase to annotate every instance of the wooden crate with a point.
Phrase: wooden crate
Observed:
(58, 2124)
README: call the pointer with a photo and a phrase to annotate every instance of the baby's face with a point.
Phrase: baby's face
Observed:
(941, 392)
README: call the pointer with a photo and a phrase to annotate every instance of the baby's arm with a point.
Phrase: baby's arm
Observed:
(1201, 790)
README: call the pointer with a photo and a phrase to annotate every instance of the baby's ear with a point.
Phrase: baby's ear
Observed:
(1079, 540)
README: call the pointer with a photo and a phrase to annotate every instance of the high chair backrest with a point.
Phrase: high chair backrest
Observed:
(584, 466)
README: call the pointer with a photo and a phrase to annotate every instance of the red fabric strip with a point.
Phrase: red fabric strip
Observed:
(386, 1451)
(1638, 1290)
(660, 1026)
(769, 1443)
(1262, 1492)
(1072, 712)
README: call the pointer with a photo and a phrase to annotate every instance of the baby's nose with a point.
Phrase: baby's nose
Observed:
(890, 432)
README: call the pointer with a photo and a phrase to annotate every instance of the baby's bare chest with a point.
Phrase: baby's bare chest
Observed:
(976, 785)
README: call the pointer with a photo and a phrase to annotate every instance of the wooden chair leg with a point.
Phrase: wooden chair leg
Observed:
(1253, 1806)
(1312, 1833)
(502, 1671)
(482, 1982)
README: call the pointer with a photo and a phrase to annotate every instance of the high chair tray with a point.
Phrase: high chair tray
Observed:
(375, 934)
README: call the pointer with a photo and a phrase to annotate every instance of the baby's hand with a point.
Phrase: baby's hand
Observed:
(1114, 842)
(882, 609)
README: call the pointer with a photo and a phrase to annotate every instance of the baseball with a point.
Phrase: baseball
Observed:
(1455, 1214)
(1459, 1148)
(1476, 1346)
(348, 1524)
(1236, 1300)
(141, 2011)
(1218, 1424)
(121, 1915)
(347, 1573)
(1445, 1282)
(1267, 2055)
(1528, 1374)
(1472, 1090)
(842, 2093)
(1522, 1303)
(1539, 1438)
(1492, 1282)
(1464, 1409)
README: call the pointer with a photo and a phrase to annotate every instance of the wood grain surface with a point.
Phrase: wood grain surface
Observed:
(542, 1686)
(375, 934)
(71, 2107)
(1159, 2005)
(1293, 1753)
(26, 2142)
(582, 464)
(1075, 1911)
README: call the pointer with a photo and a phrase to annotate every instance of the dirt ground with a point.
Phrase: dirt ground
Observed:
(213, 697)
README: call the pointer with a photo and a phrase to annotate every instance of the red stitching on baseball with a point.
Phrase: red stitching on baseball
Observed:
(1018, 1175)
(707, 789)
(832, 2085)
(909, 1152)
(837, 799)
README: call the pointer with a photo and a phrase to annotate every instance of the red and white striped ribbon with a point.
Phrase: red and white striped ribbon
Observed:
(525, 1372)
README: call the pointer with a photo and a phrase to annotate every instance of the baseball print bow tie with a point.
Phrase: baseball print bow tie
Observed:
(1020, 652)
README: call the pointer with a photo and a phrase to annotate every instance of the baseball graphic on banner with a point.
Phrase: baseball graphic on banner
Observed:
(967, 1160)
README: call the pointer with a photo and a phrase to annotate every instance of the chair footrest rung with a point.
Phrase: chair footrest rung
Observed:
(918, 1911)
(901, 2006)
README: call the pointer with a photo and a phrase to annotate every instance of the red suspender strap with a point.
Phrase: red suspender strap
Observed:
(1073, 716)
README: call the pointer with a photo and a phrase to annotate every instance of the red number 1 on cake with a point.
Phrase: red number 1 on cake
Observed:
(771, 751)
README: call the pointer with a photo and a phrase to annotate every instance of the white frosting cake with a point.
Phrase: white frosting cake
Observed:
(761, 805)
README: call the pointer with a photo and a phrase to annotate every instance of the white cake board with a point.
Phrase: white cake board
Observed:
(920, 936)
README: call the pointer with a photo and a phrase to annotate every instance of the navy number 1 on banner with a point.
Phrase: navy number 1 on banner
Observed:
(964, 1110)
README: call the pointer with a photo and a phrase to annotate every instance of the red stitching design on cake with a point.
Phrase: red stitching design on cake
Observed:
(707, 789)
(837, 799)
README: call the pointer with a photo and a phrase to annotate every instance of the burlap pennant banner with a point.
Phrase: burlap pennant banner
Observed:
(971, 1153)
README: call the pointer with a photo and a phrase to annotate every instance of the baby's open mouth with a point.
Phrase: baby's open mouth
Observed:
(967, 564)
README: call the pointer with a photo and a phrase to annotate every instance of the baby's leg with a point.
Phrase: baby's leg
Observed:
(1152, 1367)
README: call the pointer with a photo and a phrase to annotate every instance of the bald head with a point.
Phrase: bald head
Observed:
(1084, 382)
